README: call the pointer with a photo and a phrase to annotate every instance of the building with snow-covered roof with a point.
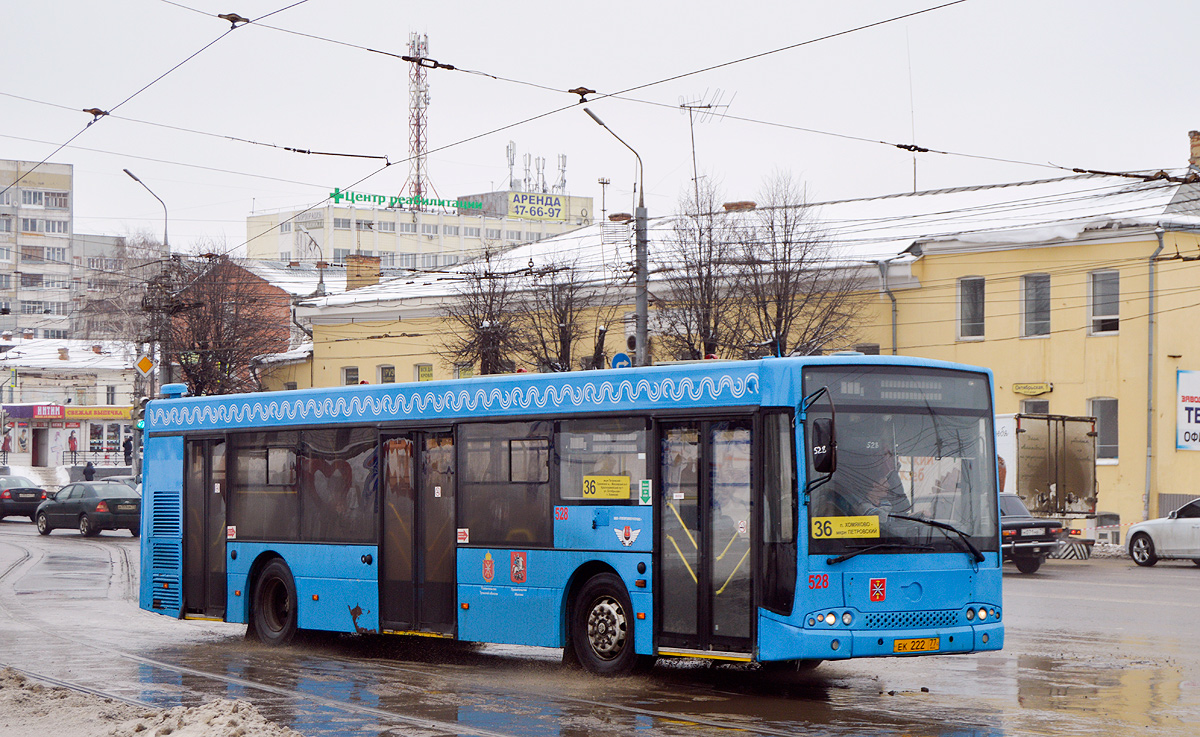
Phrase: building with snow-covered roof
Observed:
(1079, 293)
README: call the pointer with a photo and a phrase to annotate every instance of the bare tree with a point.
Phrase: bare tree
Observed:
(563, 305)
(697, 303)
(215, 318)
(485, 313)
(798, 297)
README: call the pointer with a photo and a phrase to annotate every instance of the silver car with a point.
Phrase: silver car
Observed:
(1175, 536)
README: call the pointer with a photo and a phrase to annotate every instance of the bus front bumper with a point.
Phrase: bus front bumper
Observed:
(782, 641)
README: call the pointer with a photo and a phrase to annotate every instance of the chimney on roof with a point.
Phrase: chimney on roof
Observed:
(64, 354)
(28, 334)
(6, 335)
(97, 349)
(361, 271)
(1194, 140)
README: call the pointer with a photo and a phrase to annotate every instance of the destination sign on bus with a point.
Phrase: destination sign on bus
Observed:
(605, 487)
(846, 526)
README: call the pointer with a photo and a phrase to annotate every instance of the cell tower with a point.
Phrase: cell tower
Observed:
(418, 102)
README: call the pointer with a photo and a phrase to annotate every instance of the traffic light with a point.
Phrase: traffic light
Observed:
(139, 414)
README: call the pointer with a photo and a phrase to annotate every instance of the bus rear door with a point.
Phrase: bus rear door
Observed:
(417, 570)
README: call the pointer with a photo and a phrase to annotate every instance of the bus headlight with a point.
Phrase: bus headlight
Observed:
(830, 619)
(847, 618)
(982, 614)
(970, 615)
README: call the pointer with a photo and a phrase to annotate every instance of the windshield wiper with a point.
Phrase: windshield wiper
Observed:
(873, 548)
(945, 526)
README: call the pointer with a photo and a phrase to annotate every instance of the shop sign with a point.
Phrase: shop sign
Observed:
(1033, 389)
(382, 200)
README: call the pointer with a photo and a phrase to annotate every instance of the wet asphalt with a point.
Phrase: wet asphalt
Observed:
(1097, 647)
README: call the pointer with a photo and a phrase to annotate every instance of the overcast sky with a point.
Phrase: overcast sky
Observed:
(1099, 84)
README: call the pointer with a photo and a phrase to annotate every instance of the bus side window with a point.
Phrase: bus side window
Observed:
(602, 460)
(505, 490)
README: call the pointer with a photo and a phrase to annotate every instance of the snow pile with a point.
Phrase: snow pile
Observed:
(27, 708)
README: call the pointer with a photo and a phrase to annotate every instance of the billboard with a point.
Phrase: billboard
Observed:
(1187, 410)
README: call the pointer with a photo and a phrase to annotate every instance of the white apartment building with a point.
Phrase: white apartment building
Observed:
(436, 234)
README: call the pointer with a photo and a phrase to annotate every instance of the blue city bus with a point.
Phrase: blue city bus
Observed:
(783, 511)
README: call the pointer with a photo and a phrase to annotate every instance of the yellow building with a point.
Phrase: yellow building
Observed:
(1051, 284)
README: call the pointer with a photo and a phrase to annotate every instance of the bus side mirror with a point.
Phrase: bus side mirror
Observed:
(823, 445)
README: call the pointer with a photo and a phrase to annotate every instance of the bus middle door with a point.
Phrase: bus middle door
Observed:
(705, 559)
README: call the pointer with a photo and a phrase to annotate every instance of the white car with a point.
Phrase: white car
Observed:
(1175, 536)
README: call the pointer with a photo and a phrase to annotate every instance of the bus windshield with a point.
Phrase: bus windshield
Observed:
(915, 462)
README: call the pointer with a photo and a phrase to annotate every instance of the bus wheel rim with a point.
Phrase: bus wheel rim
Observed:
(606, 626)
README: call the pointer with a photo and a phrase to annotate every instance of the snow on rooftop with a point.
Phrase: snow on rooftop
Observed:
(861, 231)
(67, 354)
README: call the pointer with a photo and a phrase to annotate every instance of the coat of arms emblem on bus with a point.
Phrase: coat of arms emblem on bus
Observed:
(878, 589)
(628, 536)
(489, 567)
(518, 568)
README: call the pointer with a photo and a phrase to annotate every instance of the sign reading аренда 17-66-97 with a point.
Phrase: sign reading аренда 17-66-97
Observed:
(1187, 410)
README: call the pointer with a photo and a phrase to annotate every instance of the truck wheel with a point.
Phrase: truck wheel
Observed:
(274, 610)
(602, 627)
(1141, 549)
(1028, 565)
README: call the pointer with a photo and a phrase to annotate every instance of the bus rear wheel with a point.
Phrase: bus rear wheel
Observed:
(602, 627)
(274, 605)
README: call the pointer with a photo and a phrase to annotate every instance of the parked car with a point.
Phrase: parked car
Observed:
(1175, 536)
(19, 497)
(1027, 540)
(91, 506)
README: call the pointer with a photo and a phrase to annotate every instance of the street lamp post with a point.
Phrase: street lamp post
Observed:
(154, 316)
(642, 355)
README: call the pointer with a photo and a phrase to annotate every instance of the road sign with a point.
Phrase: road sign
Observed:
(144, 365)
(621, 360)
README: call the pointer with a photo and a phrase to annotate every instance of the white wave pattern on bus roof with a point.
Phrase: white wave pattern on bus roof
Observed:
(552, 396)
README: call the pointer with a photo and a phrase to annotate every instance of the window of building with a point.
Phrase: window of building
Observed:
(385, 226)
(56, 226)
(285, 227)
(464, 371)
(32, 225)
(5, 281)
(341, 223)
(285, 256)
(1035, 406)
(349, 375)
(5, 198)
(1105, 301)
(970, 307)
(423, 372)
(340, 254)
(533, 237)
(429, 229)
(364, 225)
(5, 225)
(112, 264)
(512, 235)
(110, 395)
(450, 259)
(57, 200)
(56, 335)
(30, 281)
(5, 253)
(449, 230)
(504, 483)
(32, 197)
(95, 263)
(406, 260)
(407, 227)
(387, 259)
(52, 281)
(56, 254)
(429, 260)
(471, 232)
(492, 234)
(1104, 409)
(290, 386)
(387, 374)
(32, 307)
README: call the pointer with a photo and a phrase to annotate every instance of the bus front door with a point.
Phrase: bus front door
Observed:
(704, 581)
(417, 571)
(204, 529)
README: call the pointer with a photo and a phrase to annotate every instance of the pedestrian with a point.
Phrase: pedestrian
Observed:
(72, 444)
(128, 451)
(89, 471)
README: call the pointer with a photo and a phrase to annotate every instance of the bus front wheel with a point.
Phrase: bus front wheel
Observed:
(274, 614)
(602, 627)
